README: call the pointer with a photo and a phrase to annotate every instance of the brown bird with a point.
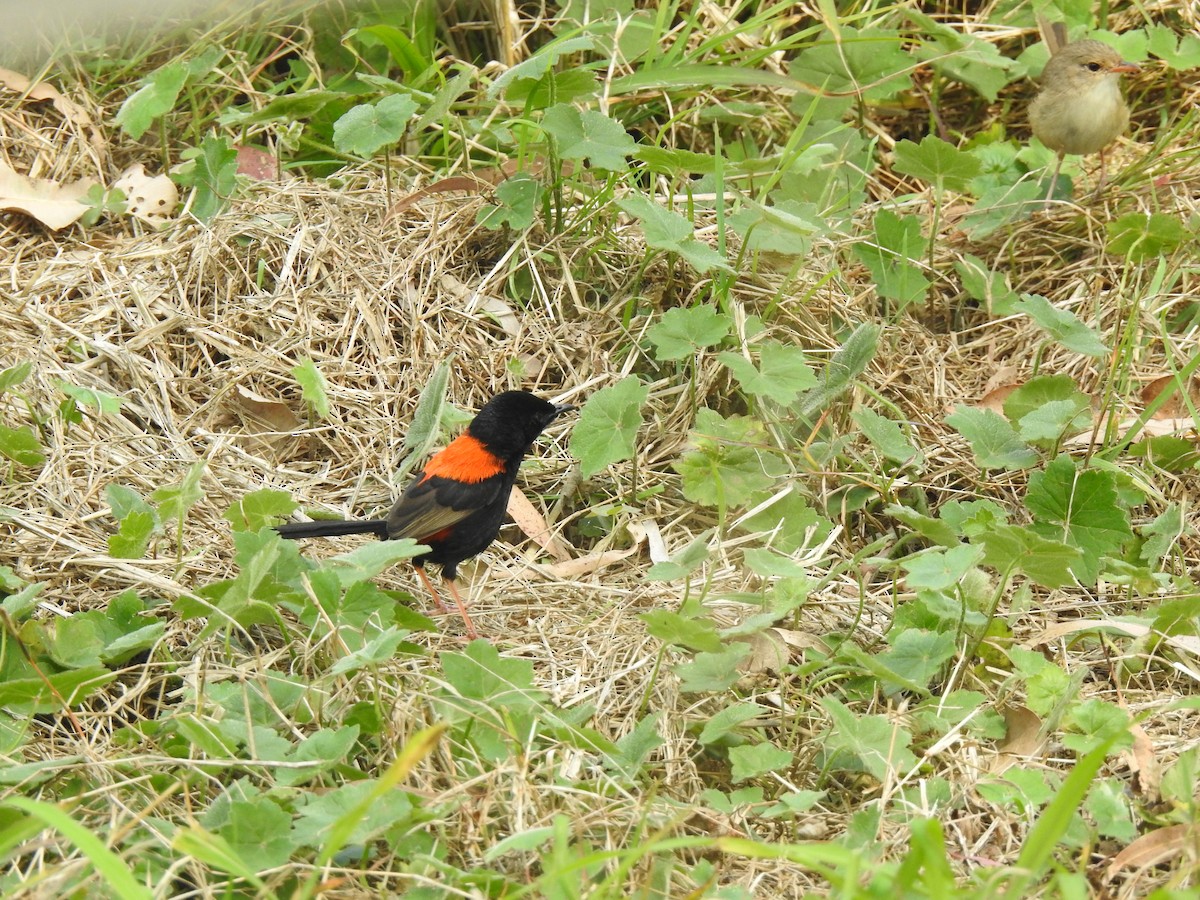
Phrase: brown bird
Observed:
(1080, 108)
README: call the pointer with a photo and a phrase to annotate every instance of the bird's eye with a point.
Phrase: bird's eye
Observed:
(1093, 67)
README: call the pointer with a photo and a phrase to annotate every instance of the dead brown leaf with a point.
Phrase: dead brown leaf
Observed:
(1144, 762)
(54, 205)
(530, 521)
(1184, 642)
(1023, 740)
(45, 91)
(1175, 407)
(768, 653)
(468, 183)
(256, 163)
(268, 415)
(1152, 848)
(152, 198)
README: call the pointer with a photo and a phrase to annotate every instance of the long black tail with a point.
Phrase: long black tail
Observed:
(297, 530)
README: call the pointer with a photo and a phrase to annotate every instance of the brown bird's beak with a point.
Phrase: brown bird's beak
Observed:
(1126, 68)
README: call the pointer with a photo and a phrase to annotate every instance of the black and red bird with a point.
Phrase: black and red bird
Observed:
(457, 504)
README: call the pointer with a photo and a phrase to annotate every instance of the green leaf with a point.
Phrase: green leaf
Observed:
(672, 628)
(608, 424)
(517, 202)
(589, 135)
(138, 522)
(788, 521)
(1180, 52)
(260, 509)
(850, 361)
(1140, 236)
(1003, 205)
(936, 161)
(896, 257)
(726, 720)
(1062, 325)
(964, 57)
(21, 446)
(938, 530)
(424, 428)
(940, 570)
(212, 174)
(684, 331)
(728, 463)
(214, 851)
(666, 230)
(994, 441)
(35, 696)
(379, 649)
(112, 868)
(92, 399)
(314, 390)
(1162, 534)
(887, 437)
(321, 811)
(365, 128)
(261, 831)
(14, 375)
(985, 285)
(1009, 547)
(156, 97)
(683, 562)
(917, 656)
(175, 501)
(870, 64)
(873, 744)
(751, 761)
(1093, 722)
(540, 63)
(482, 674)
(710, 672)
(371, 559)
(782, 375)
(788, 226)
(316, 754)
(1081, 509)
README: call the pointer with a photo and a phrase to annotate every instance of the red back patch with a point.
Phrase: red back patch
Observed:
(466, 460)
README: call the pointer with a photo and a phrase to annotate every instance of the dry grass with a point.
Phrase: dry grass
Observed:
(198, 330)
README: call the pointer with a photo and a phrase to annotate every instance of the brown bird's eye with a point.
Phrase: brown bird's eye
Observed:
(1093, 67)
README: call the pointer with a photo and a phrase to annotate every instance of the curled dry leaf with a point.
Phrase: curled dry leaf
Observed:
(453, 184)
(530, 521)
(1185, 643)
(768, 653)
(1174, 407)
(267, 415)
(994, 399)
(1153, 848)
(152, 198)
(1143, 761)
(70, 110)
(1023, 740)
(54, 205)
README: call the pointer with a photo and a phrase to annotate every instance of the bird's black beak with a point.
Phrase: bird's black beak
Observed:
(560, 408)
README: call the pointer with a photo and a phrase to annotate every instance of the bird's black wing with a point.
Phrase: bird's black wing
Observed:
(434, 504)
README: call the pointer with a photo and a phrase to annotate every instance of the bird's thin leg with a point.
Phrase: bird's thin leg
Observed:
(462, 609)
(1103, 172)
(1054, 177)
(437, 600)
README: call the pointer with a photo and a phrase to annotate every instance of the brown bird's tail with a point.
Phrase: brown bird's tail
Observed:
(298, 530)
(1053, 33)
